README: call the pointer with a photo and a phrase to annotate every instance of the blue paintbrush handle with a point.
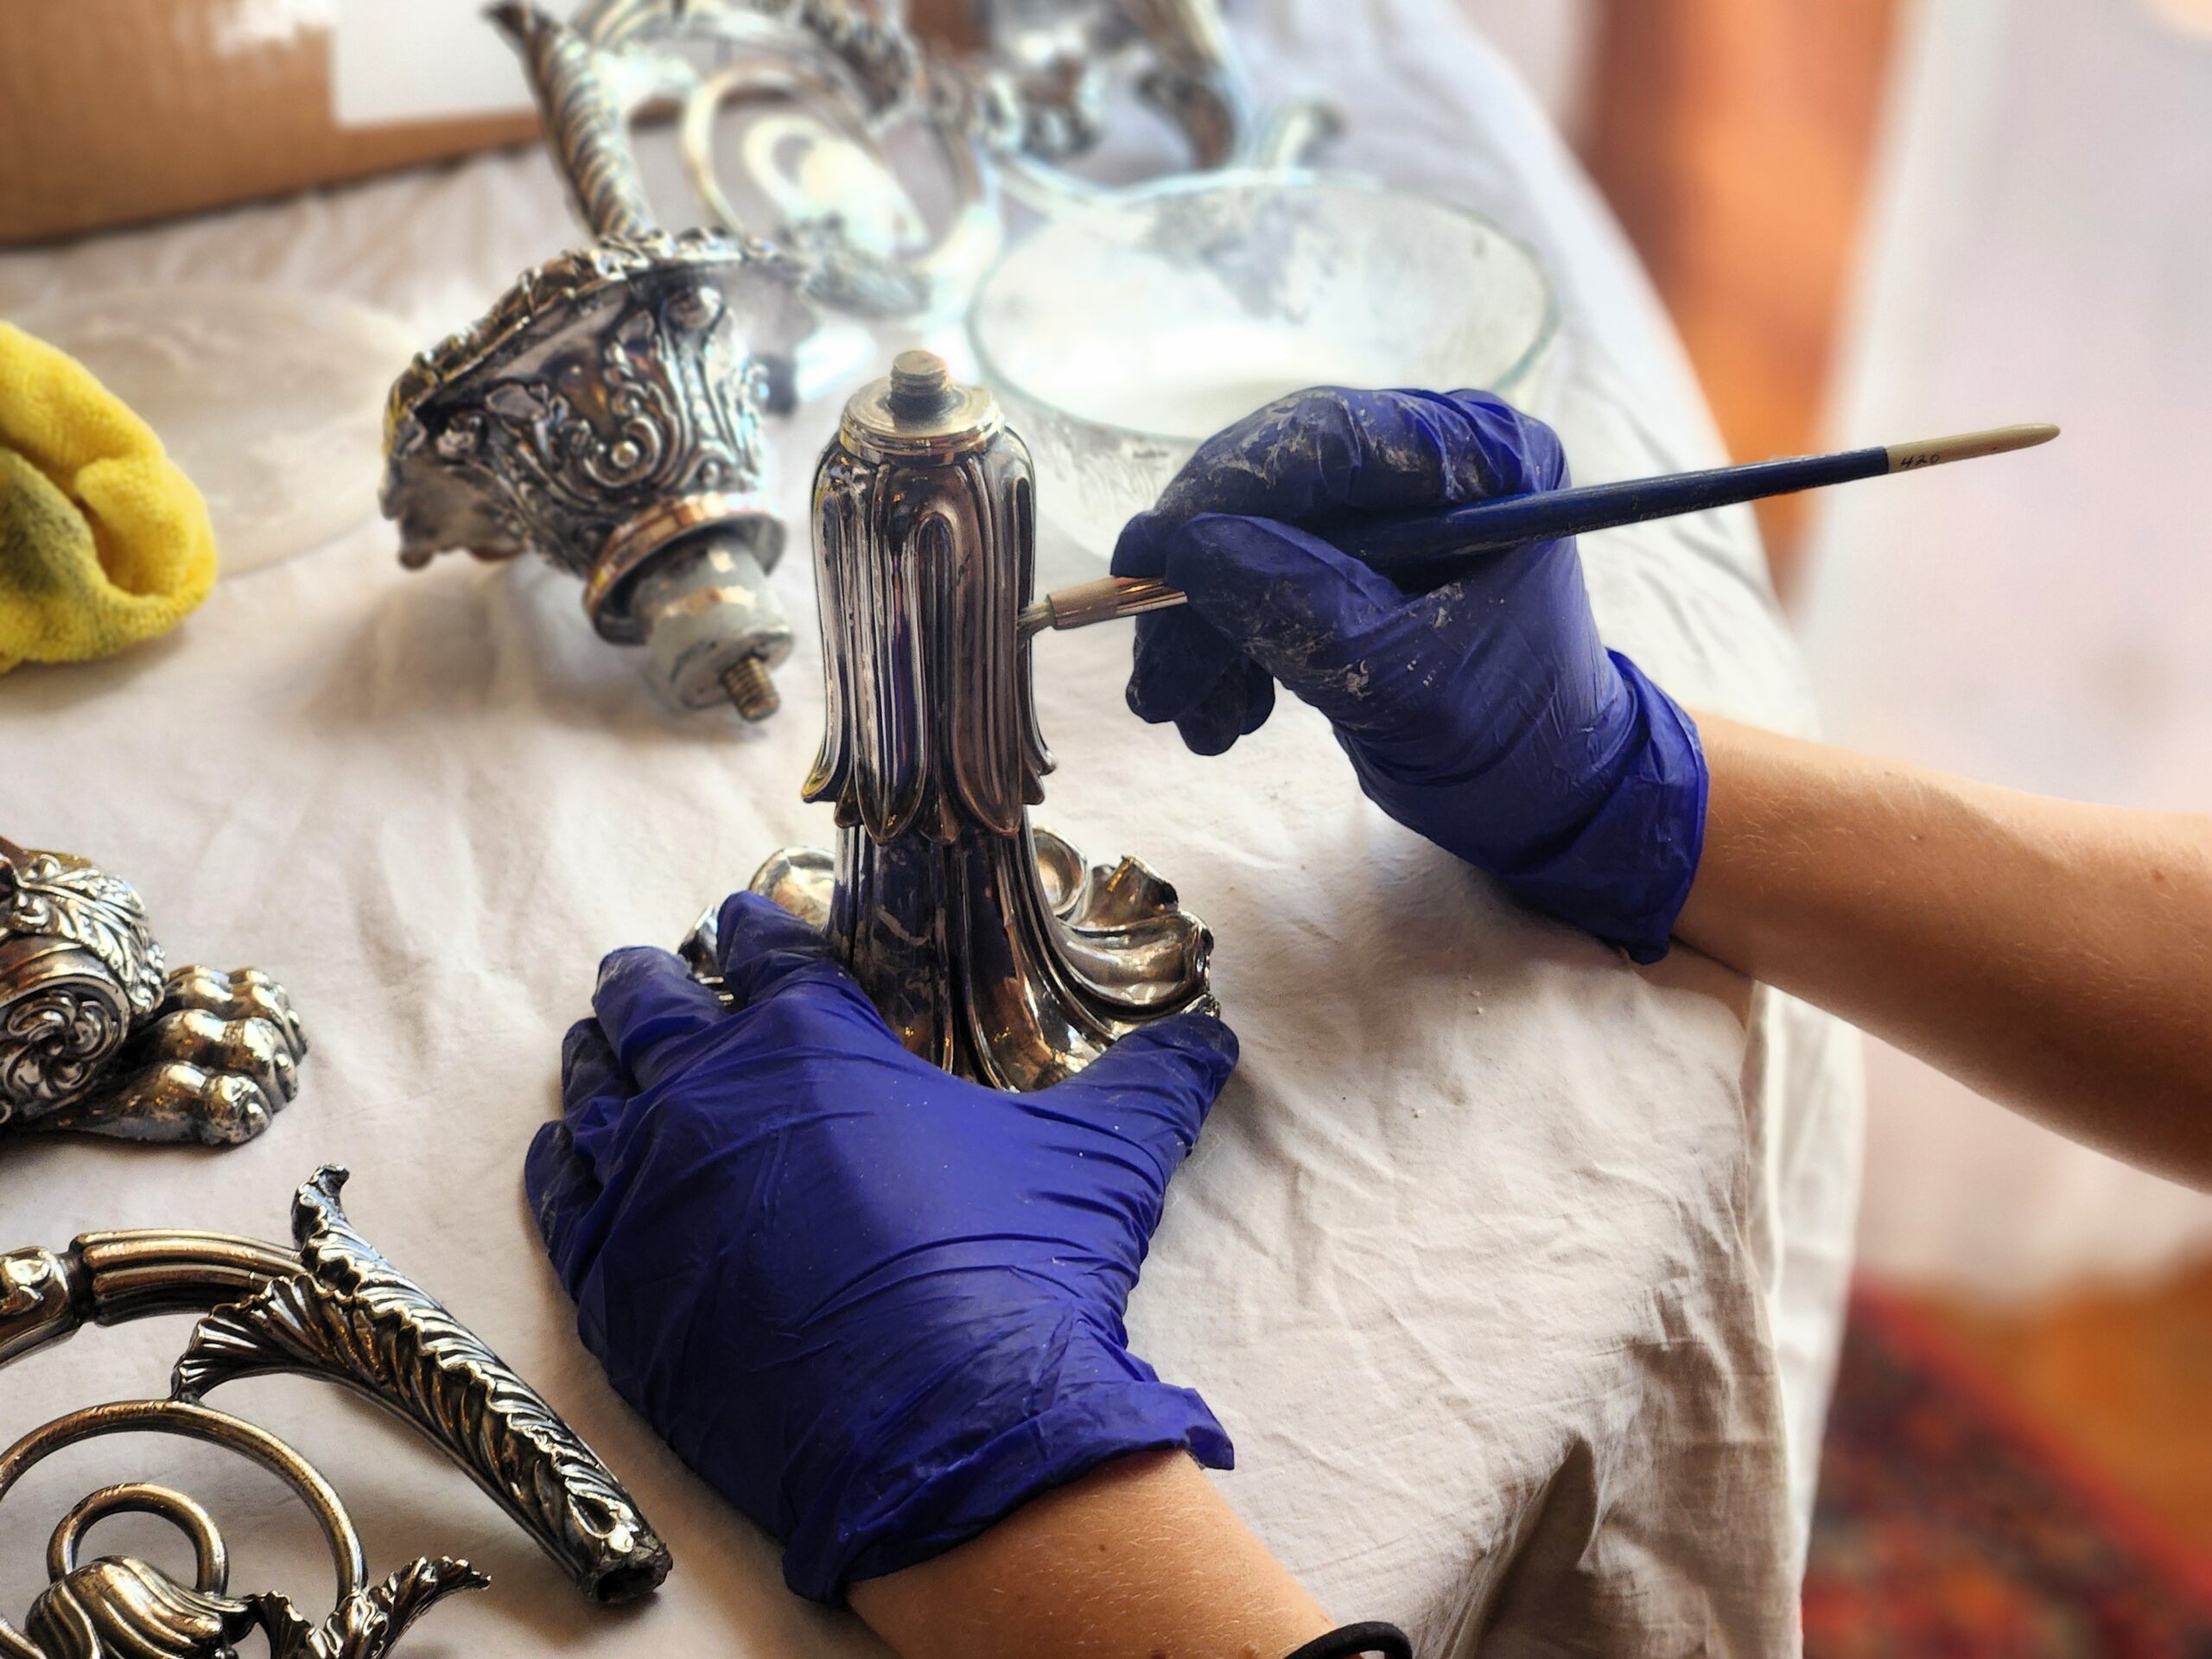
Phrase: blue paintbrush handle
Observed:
(1424, 550)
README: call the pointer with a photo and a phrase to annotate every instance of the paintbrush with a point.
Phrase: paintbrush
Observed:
(1425, 549)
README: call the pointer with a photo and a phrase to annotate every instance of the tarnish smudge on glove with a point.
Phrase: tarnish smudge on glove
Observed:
(1485, 714)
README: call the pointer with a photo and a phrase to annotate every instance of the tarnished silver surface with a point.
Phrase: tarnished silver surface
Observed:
(331, 1308)
(606, 412)
(98, 1033)
(992, 949)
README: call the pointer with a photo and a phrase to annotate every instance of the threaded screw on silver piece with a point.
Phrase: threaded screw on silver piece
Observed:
(751, 689)
(921, 385)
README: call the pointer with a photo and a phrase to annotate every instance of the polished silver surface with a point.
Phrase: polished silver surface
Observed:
(802, 103)
(587, 128)
(877, 56)
(1057, 58)
(840, 204)
(98, 1033)
(331, 1308)
(606, 412)
(1061, 57)
(993, 949)
(35, 1302)
(824, 87)
(120, 1607)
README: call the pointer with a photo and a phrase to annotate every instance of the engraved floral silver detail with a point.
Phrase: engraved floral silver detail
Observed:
(548, 429)
(98, 1034)
(993, 949)
(349, 1317)
(124, 1606)
(121, 1607)
(606, 412)
(55, 1040)
(56, 895)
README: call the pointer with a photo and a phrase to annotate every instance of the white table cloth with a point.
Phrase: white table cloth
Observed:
(1515, 1271)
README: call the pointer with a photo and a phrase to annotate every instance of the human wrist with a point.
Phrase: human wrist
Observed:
(1140, 1556)
(980, 1428)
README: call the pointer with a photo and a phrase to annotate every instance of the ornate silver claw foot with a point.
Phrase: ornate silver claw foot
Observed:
(97, 1035)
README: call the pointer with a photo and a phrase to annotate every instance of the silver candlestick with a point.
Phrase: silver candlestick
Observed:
(990, 946)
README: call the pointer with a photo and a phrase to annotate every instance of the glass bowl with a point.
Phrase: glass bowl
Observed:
(1126, 331)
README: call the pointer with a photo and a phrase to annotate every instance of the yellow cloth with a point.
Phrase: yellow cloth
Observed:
(103, 542)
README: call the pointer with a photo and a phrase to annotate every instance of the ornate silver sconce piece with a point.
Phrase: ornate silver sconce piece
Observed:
(98, 1033)
(828, 92)
(1193, 78)
(1060, 54)
(829, 83)
(991, 947)
(330, 1308)
(606, 412)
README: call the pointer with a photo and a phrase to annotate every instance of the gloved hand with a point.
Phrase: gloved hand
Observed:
(875, 1305)
(1487, 715)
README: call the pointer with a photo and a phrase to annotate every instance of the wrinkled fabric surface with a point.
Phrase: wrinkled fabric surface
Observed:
(103, 542)
(1514, 1271)
(1485, 714)
(876, 1306)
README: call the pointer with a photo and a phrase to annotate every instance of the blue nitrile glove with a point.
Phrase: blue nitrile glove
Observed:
(1486, 716)
(875, 1305)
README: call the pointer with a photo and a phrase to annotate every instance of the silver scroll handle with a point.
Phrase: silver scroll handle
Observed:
(588, 131)
(331, 1307)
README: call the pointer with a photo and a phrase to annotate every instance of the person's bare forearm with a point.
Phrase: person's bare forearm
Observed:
(1142, 1559)
(2057, 957)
